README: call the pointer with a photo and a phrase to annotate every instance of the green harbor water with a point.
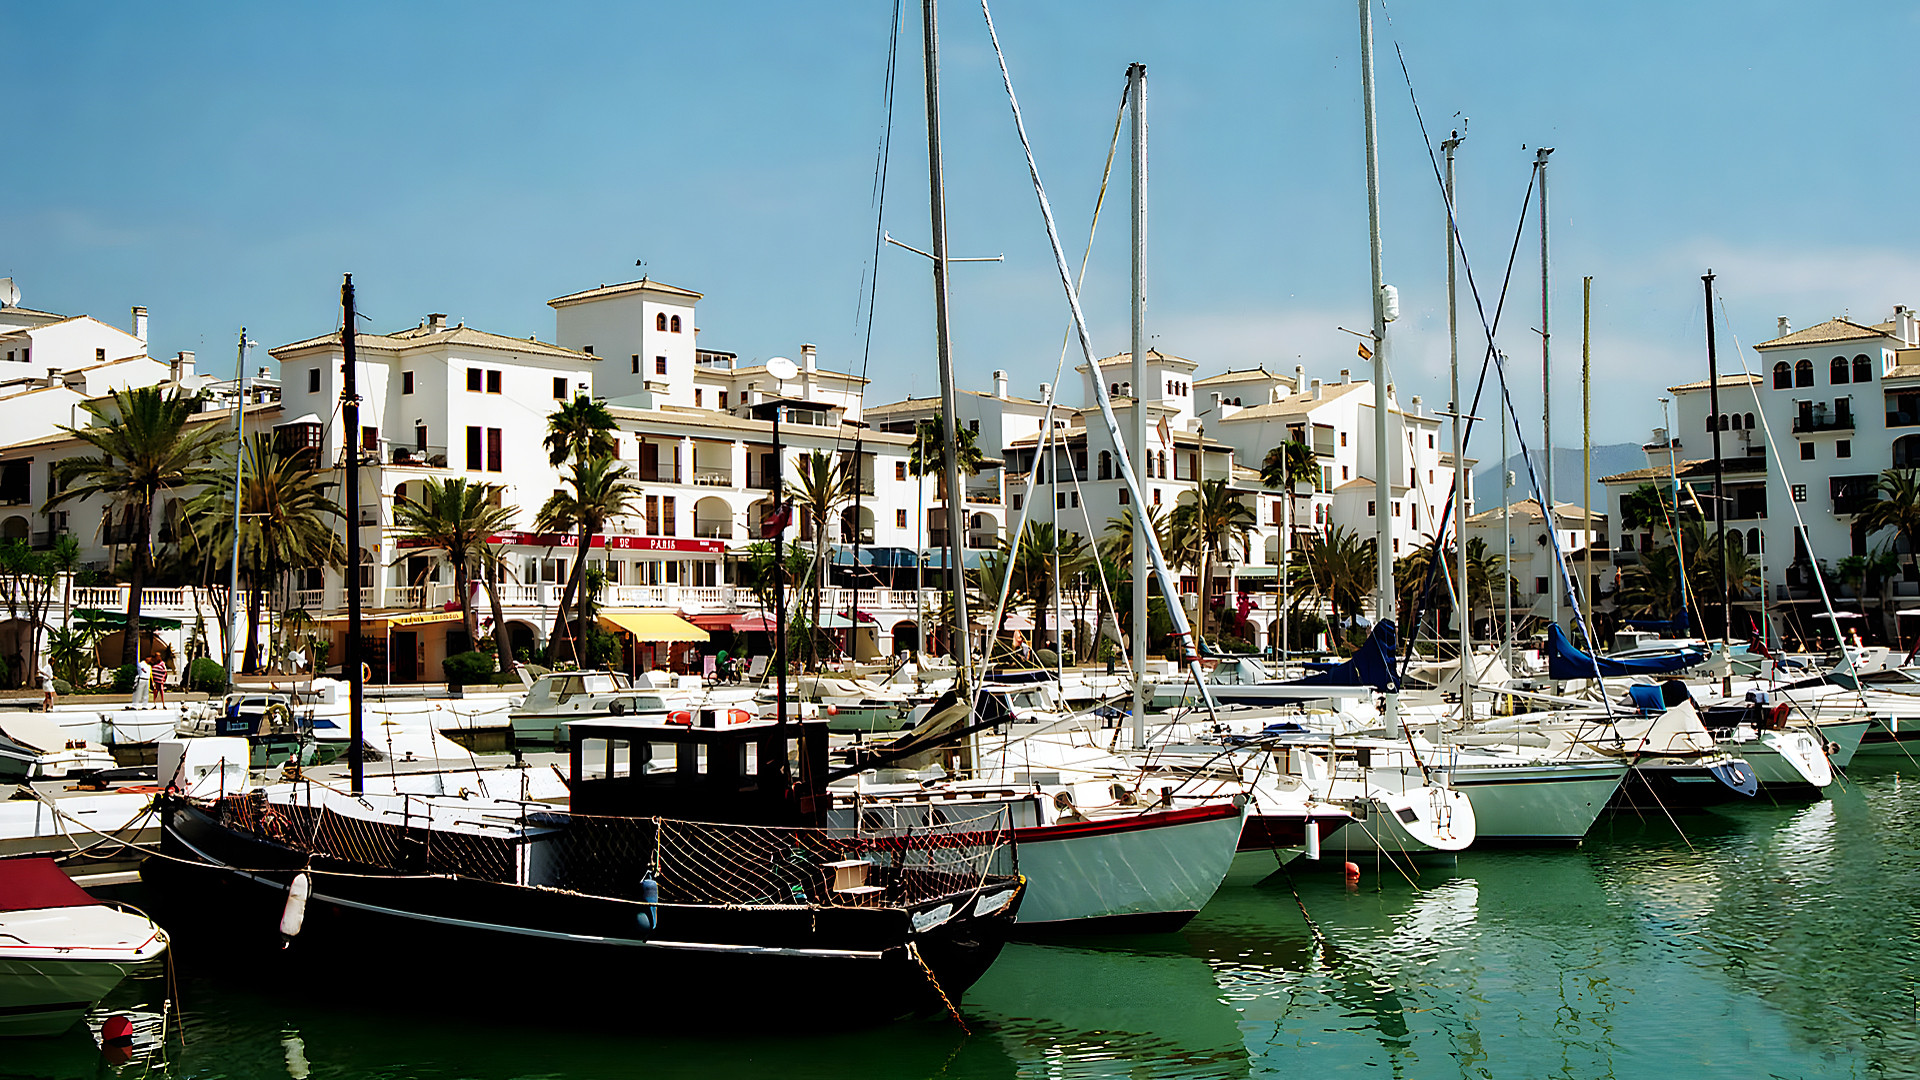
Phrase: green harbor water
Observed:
(1766, 940)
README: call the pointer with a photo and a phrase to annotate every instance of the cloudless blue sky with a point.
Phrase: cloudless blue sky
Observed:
(224, 163)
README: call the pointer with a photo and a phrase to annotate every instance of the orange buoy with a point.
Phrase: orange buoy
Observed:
(1353, 873)
(833, 710)
(681, 716)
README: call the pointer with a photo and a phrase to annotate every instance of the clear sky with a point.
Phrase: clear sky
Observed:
(224, 163)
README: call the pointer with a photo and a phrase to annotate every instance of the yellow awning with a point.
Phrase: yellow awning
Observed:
(653, 625)
(424, 617)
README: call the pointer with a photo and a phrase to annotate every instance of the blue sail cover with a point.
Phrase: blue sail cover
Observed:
(1679, 624)
(1566, 662)
(1371, 666)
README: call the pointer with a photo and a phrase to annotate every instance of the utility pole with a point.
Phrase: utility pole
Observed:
(1586, 447)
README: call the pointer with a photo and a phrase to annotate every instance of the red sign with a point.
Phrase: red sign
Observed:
(619, 543)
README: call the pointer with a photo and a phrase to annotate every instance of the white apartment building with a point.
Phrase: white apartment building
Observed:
(1523, 529)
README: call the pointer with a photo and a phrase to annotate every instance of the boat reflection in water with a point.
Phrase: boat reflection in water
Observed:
(1143, 1007)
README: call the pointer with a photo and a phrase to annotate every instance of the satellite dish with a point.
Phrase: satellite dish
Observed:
(9, 293)
(782, 368)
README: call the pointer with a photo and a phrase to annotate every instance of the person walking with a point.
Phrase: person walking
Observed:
(45, 675)
(142, 681)
(159, 666)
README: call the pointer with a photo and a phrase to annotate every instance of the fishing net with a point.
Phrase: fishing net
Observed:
(891, 859)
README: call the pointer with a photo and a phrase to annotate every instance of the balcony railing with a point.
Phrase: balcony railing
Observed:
(1822, 421)
(713, 528)
(855, 536)
(713, 477)
(431, 457)
(664, 474)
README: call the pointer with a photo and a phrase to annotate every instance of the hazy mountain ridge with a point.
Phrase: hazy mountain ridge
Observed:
(1607, 460)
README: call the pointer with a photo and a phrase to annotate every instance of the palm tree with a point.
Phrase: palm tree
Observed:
(580, 430)
(598, 490)
(455, 518)
(1652, 588)
(1486, 572)
(1287, 466)
(1336, 569)
(1217, 522)
(1896, 506)
(929, 453)
(1033, 560)
(286, 521)
(145, 448)
(821, 488)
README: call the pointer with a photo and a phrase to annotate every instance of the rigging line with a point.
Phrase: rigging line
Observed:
(1048, 446)
(1799, 522)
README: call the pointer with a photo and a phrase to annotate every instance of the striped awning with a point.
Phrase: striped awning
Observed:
(654, 625)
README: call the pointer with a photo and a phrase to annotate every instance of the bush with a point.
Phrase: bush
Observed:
(123, 679)
(1046, 658)
(62, 686)
(1227, 643)
(468, 667)
(207, 675)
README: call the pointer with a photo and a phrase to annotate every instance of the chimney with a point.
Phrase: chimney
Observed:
(1415, 404)
(1903, 325)
(1346, 377)
(1216, 402)
(436, 322)
(1782, 325)
(1046, 391)
(1315, 389)
(1000, 385)
(182, 367)
(1299, 378)
(264, 375)
(53, 378)
(809, 358)
(140, 323)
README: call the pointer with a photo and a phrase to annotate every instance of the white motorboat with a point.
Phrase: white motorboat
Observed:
(61, 951)
(559, 696)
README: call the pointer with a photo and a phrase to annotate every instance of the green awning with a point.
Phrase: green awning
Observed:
(117, 620)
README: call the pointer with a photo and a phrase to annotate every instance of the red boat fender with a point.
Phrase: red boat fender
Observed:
(1352, 873)
(117, 1031)
(680, 716)
(739, 716)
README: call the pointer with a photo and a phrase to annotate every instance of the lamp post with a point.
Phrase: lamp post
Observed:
(781, 369)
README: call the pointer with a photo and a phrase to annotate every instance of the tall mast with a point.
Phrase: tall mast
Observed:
(949, 421)
(1546, 395)
(1463, 607)
(235, 650)
(1586, 441)
(1385, 607)
(1719, 466)
(1137, 95)
(1506, 527)
(350, 419)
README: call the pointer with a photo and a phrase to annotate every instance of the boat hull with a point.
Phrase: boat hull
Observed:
(1537, 803)
(48, 995)
(858, 965)
(1143, 873)
(1421, 822)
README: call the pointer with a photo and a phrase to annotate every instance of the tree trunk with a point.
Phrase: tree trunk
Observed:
(252, 661)
(142, 551)
(502, 641)
(583, 597)
(468, 621)
(819, 586)
(561, 631)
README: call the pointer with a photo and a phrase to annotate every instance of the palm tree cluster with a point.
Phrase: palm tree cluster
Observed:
(599, 489)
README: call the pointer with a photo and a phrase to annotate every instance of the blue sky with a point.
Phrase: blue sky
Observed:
(223, 164)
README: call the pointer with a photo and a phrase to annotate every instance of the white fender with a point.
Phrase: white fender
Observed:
(295, 914)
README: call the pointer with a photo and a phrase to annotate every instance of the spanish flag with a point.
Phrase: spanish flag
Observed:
(1365, 353)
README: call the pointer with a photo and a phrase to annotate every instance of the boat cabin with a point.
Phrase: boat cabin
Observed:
(756, 772)
(558, 690)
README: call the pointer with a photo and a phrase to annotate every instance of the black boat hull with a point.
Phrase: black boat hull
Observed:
(802, 965)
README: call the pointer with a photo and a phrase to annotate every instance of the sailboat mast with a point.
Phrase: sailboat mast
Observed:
(949, 420)
(1463, 608)
(235, 650)
(1719, 466)
(350, 656)
(1586, 441)
(1383, 469)
(1137, 96)
(1546, 397)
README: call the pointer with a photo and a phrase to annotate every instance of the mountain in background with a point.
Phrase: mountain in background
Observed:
(1607, 460)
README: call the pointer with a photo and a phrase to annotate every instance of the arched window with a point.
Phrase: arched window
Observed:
(1114, 390)
(1906, 452)
(1753, 541)
(675, 324)
(660, 321)
(1126, 388)
(1782, 376)
(1803, 373)
(1725, 422)
(1106, 465)
(1837, 371)
(1749, 421)
(1862, 369)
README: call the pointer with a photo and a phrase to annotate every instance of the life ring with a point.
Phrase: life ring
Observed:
(739, 716)
(680, 716)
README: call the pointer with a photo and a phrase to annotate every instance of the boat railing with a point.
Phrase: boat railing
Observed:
(891, 860)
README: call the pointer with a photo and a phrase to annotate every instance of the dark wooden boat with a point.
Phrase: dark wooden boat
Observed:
(692, 861)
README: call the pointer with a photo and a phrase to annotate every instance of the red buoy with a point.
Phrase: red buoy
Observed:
(1353, 873)
(116, 1039)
